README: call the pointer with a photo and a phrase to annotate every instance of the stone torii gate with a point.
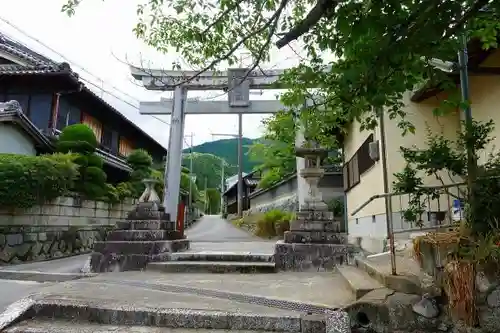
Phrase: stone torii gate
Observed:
(237, 82)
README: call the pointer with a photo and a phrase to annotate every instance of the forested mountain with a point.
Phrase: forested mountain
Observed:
(207, 167)
(228, 150)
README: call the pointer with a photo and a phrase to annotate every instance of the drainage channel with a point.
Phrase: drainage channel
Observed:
(242, 298)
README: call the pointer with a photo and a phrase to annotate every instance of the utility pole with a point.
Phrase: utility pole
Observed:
(221, 186)
(240, 161)
(206, 196)
(190, 168)
(240, 165)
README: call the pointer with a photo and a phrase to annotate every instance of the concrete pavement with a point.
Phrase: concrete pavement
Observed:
(212, 228)
(211, 233)
(64, 265)
(12, 290)
(280, 293)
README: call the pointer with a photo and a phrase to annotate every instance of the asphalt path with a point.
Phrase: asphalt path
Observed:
(213, 228)
(210, 233)
(11, 291)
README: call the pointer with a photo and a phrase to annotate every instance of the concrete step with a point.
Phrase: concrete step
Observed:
(358, 280)
(222, 256)
(66, 315)
(53, 326)
(143, 235)
(406, 281)
(212, 267)
(135, 247)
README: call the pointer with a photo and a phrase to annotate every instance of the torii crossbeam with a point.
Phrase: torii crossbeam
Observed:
(237, 82)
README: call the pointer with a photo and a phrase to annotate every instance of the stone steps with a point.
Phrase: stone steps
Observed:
(358, 281)
(379, 269)
(66, 315)
(222, 256)
(142, 247)
(51, 326)
(143, 235)
(181, 266)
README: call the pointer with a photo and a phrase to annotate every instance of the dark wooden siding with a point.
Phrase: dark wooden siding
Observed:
(359, 163)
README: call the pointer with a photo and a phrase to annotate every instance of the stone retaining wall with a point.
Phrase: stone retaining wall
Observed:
(288, 203)
(20, 244)
(283, 195)
(69, 211)
(66, 226)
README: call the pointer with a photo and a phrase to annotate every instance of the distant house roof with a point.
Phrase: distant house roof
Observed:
(248, 179)
(11, 113)
(233, 180)
(34, 63)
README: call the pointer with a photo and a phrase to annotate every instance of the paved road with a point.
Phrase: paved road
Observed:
(65, 265)
(211, 233)
(212, 228)
(12, 291)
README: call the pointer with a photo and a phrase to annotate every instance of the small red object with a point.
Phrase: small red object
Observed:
(180, 217)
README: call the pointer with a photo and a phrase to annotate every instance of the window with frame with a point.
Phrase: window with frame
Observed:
(40, 110)
(67, 114)
(345, 173)
(359, 163)
(94, 124)
(125, 147)
(107, 139)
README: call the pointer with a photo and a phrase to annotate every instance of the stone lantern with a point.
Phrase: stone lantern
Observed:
(147, 235)
(315, 241)
(149, 194)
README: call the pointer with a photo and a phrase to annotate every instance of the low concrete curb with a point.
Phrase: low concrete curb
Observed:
(113, 313)
(400, 283)
(15, 311)
(237, 297)
(42, 276)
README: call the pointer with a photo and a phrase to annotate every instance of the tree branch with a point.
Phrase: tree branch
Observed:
(322, 8)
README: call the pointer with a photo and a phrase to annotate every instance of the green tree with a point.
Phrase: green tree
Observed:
(357, 60)
(213, 201)
(207, 166)
(185, 185)
(80, 139)
(362, 56)
(275, 151)
(141, 163)
(226, 149)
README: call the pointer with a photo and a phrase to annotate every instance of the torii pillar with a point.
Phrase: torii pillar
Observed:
(237, 82)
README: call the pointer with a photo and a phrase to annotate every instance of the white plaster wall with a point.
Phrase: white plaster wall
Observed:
(13, 141)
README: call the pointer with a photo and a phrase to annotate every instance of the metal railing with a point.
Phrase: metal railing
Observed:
(439, 207)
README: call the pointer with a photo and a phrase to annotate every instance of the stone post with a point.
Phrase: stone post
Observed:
(314, 241)
(302, 185)
(147, 235)
(149, 194)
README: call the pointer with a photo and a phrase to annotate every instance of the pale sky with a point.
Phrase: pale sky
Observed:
(99, 38)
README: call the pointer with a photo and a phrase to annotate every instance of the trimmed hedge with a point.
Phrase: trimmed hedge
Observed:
(91, 182)
(30, 180)
(273, 223)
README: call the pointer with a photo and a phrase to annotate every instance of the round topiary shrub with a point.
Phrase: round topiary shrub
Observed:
(78, 135)
(141, 163)
(95, 161)
(139, 159)
(80, 139)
